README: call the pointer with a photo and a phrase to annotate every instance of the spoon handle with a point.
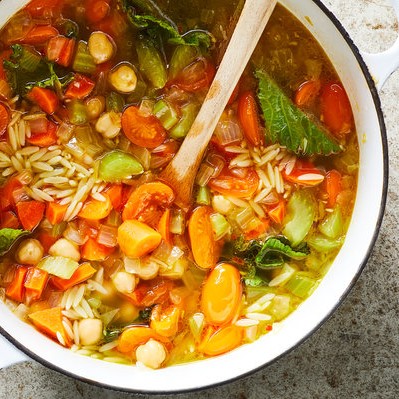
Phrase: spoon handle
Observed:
(181, 171)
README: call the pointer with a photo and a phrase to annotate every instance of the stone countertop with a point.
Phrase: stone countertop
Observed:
(353, 355)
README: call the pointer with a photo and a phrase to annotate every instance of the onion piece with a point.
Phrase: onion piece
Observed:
(107, 236)
(228, 131)
(75, 235)
(205, 173)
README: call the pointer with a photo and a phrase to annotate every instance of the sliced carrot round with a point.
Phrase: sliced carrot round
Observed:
(203, 244)
(142, 130)
(148, 202)
(94, 209)
(133, 337)
(221, 294)
(221, 341)
(4, 119)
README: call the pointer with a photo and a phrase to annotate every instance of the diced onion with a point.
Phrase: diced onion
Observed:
(72, 233)
(177, 222)
(107, 236)
(228, 131)
(217, 162)
(204, 174)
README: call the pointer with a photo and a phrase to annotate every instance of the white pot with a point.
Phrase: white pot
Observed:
(371, 195)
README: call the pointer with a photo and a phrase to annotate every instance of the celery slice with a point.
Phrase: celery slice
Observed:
(301, 212)
(83, 62)
(151, 63)
(59, 266)
(323, 244)
(117, 165)
(189, 112)
(203, 196)
(182, 56)
(220, 225)
(166, 114)
(332, 225)
(301, 285)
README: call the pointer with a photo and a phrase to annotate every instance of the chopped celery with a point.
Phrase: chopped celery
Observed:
(280, 307)
(301, 284)
(220, 225)
(283, 276)
(323, 244)
(151, 63)
(95, 303)
(117, 165)
(59, 266)
(114, 102)
(166, 114)
(182, 56)
(29, 58)
(196, 323)
(189, 112)
(77, 112)
(301, 212)
(203, 196)
(332, 225)
(83, 62)
(177, 223)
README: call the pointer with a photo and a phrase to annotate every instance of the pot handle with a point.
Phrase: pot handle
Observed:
(382, 65)
(9, 354)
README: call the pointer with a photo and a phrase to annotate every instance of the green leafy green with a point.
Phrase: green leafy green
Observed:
(157, 25)
(255, 258)
(275, 250)
(288, 125)
(27, 69)
(8, 237)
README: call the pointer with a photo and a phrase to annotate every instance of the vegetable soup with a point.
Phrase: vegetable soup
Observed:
(96, 97)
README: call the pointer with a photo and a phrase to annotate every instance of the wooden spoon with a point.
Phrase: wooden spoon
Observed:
(181, 171)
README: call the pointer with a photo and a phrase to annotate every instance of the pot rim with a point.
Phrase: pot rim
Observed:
(377, 103)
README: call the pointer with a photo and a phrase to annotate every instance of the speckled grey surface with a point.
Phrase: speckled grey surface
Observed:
(356, 353)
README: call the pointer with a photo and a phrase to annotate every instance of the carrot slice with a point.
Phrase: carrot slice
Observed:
(15, 290)
(307, 93)
(164, 226)
(46, 99)
(40, 34)
(165, 323)
(248, 115)
(60, 50)
(221, 341)
(30, 213)
(82, 273)
(332, 186)
(92, 250)
(277, 212)
(55, 212)
(9, 220)
(136, 239)
(114, 193)
(35, 283)
(4, 119)
(221, 294)
(142, 130)
(44, 138)
(94, 209)
(203, 244)
(49, 321)
(133, 337)
(148, 201)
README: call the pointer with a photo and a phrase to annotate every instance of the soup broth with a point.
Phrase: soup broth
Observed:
(95, 100)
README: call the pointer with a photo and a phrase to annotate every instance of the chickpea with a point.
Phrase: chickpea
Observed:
(221, 204)
(101, 47)
(145, 269)
(152, 354)
(29, 252)
(65, 248)
(90, 331)
(95, 106)
(124, 282)
(123, 78)
(109, 124)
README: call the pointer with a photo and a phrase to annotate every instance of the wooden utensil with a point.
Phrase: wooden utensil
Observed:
(181, 171)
